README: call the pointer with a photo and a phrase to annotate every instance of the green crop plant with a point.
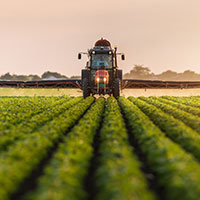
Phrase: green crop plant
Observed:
(118, 175)
(190, 109)
(24, 129)
(27, 154)
(194, 102)
(23, 109)
(103, 149)
(174, 128)
(64, 176)
(189, 119)
(177, 172)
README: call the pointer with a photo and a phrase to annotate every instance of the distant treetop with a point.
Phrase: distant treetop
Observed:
(141, 72)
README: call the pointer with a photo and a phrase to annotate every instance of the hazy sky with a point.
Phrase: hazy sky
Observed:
(41, 35)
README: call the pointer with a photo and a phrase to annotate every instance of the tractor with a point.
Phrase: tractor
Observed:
(101, 75)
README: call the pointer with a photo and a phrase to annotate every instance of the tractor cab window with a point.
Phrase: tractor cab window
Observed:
(101, 60)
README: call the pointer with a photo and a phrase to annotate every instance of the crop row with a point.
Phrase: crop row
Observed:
(99, 149)
(26, 154)
(187, 118)
(118, 175)
(64, 176)
(24, 129)
(194, 102)
(23, 110)
(174, 128)
(177, 172)
(190, 109)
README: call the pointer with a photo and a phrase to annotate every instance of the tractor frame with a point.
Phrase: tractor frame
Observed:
(101, 75)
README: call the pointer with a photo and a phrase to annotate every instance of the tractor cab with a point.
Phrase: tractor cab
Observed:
(101, 75)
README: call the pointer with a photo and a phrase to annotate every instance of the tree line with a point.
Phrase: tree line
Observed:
(144, 73)
(45, 75)
(137, 72)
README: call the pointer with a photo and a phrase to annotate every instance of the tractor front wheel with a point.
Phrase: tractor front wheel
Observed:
(85, 87)
(116, 89)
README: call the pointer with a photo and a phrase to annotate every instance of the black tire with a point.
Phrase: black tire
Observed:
(85, 73)
(85, 87)
(116, 89)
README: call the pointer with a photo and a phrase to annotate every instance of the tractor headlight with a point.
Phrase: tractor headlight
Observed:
(98, 79)
(104, 79)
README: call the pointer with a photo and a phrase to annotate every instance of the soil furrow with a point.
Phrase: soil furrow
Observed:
(90, 178)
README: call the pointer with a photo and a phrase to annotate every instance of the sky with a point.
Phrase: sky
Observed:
(41, 35)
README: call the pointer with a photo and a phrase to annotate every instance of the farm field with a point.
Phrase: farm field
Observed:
(135, 148)
(39, 92)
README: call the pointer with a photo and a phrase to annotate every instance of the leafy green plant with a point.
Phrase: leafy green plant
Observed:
(64, 176)
(190, 109)
(19, 110)
(23, 157)
(177, 172)
(118, 175)
(174, 128)
(189, 119)
(190, 101)
(25, 128)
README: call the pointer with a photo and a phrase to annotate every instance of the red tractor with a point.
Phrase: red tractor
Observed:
(102, 75)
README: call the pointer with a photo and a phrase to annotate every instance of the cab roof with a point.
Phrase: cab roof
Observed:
(102, 43)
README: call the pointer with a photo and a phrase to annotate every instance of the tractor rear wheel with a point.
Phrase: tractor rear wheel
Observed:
(85, 86)
(116, 89)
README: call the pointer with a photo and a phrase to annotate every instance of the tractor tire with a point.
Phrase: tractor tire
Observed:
(85, 87)
(119, 74)
(116, 89)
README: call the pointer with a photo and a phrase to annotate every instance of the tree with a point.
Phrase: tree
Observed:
(34, 78)
(139, 72)
(49, 74)
(168, 75)
(190, 75)
(6, 76)
(19, 77)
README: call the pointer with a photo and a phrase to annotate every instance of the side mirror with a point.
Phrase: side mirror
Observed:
(87, 64)
(123, 57)
(79, 56)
